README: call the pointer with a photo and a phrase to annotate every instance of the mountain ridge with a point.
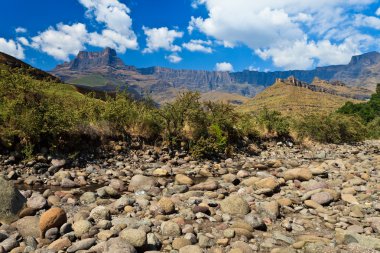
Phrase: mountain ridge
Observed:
(362, 71)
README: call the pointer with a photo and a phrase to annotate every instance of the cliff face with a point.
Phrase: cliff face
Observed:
(363, 71)
(94, 60)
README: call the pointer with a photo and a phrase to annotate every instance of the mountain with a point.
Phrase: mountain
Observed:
(8, 62)
(107, 72)
(293, 97)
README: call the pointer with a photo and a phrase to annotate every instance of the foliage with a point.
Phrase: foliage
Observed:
(37, 113)
(333, 128)
(273, 122)
(367, 111)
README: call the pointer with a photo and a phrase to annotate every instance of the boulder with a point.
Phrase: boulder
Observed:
(140, 182)
(235, 205)
(12, 202)
(53, 218)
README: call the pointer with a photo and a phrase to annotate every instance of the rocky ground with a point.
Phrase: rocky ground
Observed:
(285, 199)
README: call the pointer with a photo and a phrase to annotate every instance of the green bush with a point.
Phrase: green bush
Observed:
(367, 111)
(333, 128)
(273, 123)
(374, 128)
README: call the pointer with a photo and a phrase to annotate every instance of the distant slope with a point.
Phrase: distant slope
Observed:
(290, 99)
(11, 63)
(105, 70)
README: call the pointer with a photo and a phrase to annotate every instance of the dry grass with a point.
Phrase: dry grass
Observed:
(294, 101)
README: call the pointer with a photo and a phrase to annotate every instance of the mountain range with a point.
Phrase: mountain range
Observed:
(105, 71)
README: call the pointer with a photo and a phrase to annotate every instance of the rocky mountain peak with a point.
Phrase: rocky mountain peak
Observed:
(365, 59)
(90, 60)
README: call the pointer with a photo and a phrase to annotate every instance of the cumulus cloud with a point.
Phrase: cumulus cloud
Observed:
(65, 40)
(115, 15)
(367, 21)
(174, 58)
(272, 28)
(12, 48)
(20, 30)
(378, 12)
(303, 54)
(62, 41)
(161, 38)
(198, 46)
(224, 66)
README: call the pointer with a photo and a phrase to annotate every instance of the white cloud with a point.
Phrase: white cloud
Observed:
(20, 30)
(378, 12)
(161, 38)
(62, 41)
(173, 58)
(367, 21)
(66, 40)
(198, 46)
(24, 41)
(272, 28)
(224, 66)
(303, 53)
(112, 39)
(115, 15)
(12, 48)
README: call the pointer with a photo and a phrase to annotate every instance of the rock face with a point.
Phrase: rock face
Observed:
(90, 60)
(12, 202)
(362, 71)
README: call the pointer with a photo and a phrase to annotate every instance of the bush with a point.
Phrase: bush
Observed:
(367, 111)
(333, 128)
(374, 128)
(273, 123)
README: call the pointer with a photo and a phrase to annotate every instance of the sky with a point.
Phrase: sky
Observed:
(223, 35)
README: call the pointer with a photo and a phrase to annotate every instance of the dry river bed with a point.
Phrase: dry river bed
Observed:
(324, 198)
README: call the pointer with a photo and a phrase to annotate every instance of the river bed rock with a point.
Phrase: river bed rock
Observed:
(283, 199)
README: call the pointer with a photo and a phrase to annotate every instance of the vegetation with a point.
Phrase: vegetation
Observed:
(40, 113)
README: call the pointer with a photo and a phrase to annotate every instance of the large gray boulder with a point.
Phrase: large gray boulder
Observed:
(12, 202)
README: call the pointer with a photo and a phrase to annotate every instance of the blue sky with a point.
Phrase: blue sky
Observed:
(227, 35)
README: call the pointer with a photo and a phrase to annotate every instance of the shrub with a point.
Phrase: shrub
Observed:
(333, 128)
(273, 123)
(367, 111)
(374, 128)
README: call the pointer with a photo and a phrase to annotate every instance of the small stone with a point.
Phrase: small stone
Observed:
(81, 227)
(269, 209)
(100, 213)
(183, 180)
(229, 233)
(322, 198)
(235, 205)
(210, 185)
(53, 218)
(179, 243)
(301, 174)
(135, 237)
(84, 244)
(140, 182)
(36, 201)
(349, 198)
(160, 173)
(60, 244)
(88, 198)
(170, 228)
(191, 249)
(167, 205)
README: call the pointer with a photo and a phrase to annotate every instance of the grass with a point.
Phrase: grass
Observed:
(94, 80)
(294, 101)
